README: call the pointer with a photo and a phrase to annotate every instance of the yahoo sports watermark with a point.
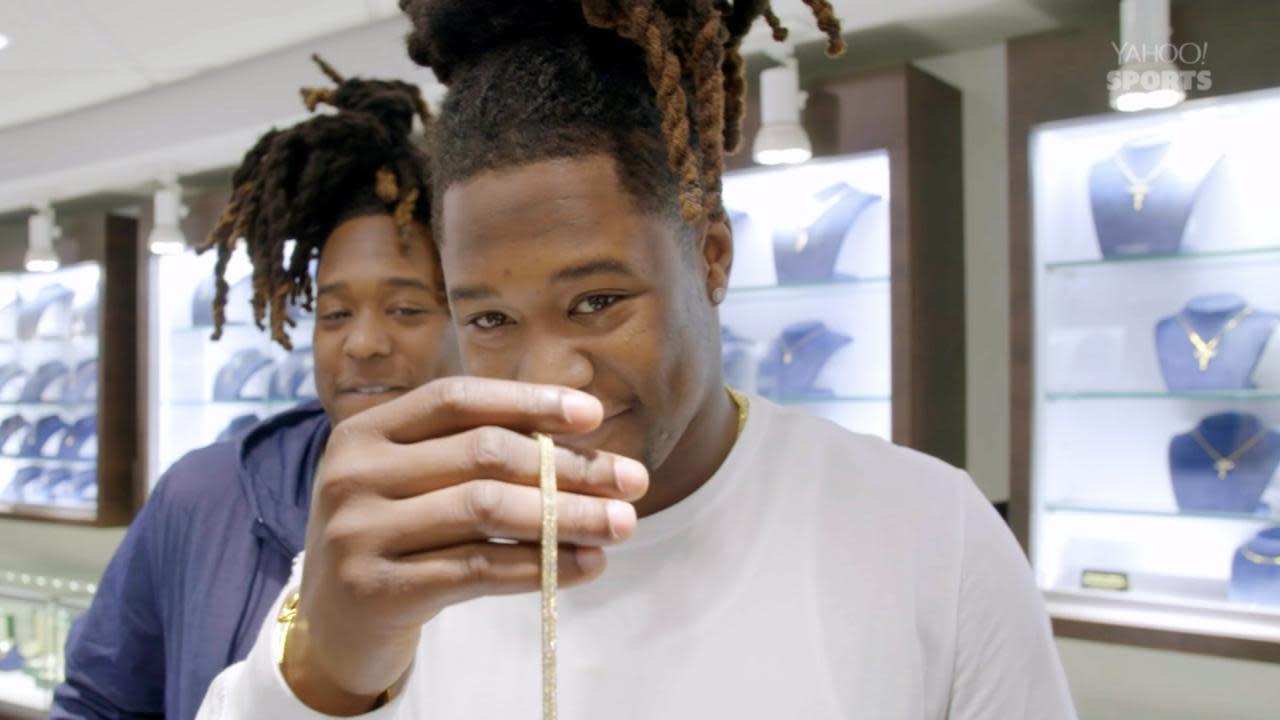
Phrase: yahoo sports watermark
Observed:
(1133, 57)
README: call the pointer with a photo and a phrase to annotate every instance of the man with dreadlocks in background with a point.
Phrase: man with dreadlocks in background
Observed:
(204, 560)
(780, 566)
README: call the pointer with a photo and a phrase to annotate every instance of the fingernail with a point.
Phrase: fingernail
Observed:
(622, 519)
(590, 560)
(630, 475)
(578, 407)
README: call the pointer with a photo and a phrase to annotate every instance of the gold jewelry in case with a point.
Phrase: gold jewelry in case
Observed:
(550, 562)
(1259, 558)
(1206, 350)
(789, 351)
(1224, 464)
(1139, 187)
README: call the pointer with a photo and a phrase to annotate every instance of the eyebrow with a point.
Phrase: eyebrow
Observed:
(602, 266)
(395, 282)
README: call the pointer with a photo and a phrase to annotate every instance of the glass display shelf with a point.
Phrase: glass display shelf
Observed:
(1085, 508)
(206, 331)
(1201, 395)
(824, 399)
(1263, 254)
(79, 515)
(857, 282)
(79, 462)
(19, 404)
(280, 403)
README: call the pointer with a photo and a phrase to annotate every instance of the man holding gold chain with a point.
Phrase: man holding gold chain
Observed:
(762, 563)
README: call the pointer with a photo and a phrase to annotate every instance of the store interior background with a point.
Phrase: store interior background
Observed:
(963, 42)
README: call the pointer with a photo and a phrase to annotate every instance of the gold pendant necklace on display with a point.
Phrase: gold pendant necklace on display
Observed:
(789, 350)
(1259, 558)
(1206, 350)
(802, 240)
(1224, 464)
(1139, 187)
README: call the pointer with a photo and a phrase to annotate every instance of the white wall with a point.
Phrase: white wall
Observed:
(1109, 682)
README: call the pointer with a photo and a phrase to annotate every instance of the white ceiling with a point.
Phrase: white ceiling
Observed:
(66, 54)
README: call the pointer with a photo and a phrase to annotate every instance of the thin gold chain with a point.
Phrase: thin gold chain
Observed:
(550, 562)
(1259, 558)
(1226, 463)
(744, 407)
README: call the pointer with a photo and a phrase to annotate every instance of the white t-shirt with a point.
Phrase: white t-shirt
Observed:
(819, 574)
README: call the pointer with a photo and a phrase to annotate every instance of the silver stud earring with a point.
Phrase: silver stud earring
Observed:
(717, 295)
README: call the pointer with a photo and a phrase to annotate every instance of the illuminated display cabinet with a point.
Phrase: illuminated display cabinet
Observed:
(846, 296)
(1155, 430)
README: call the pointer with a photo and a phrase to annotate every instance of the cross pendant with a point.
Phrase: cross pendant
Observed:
(1224, 466)
(1204, 356)
(802, 240)
(1139, 191)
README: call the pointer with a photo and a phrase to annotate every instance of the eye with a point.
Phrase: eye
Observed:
(333, 315)
(592, 304)
(489, 320)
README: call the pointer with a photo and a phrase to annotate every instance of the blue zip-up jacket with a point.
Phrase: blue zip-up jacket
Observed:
(188, 589)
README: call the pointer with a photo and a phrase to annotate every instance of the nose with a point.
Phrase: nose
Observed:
(550, 360)
(368, 338)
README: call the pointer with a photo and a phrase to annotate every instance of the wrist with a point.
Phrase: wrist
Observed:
(301, 666)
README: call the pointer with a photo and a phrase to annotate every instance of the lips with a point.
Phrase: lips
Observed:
(369, 389)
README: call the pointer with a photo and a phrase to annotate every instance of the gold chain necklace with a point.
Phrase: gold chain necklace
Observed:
(802, 240)
(550, 556)
(1225, 464)
(789, 349)
(1206, 350)
(550, 562)
(1139, 187)
(1259, 558)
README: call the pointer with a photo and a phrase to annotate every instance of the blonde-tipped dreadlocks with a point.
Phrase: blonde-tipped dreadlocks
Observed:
(300, 183)
(559, 78)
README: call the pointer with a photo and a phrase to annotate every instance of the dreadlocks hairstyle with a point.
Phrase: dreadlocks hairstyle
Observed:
(302, 182)
(658, 84)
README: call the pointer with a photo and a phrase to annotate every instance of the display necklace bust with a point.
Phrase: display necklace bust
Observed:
(1213, 343)
(1224, 464)
(1255, 569)
(1142, 197)
(797, 357)
(809, 254)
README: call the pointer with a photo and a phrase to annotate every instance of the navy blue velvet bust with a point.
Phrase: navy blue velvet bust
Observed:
(1238, 350)
(1255, 570)
(1156, 228)
(1196, 483)
(808, 346)
(810, 255)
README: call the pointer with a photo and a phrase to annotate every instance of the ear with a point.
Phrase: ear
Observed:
(717, 255)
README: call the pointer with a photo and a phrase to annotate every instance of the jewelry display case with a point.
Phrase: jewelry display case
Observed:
(847, 291)
(68, 379)
(807, 317)
(36, 614)
(1155, 441)
(208, 390)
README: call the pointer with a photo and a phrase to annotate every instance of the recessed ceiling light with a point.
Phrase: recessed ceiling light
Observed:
(4, 41)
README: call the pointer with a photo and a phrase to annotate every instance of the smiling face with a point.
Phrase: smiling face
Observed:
(555, 278)
(381, 329)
